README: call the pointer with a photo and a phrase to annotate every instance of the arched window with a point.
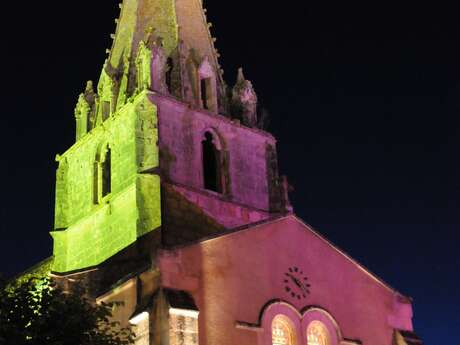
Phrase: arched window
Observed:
(106, 170)
(212, 174)
(102, 175)
(207, 86)
(283, 332)
(168, 74)
(206, 93)
(317, 334)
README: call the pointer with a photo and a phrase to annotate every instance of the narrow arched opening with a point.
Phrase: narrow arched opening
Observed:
(169, 73)
(206, 93)
(102, 175)
(106, 170)
(212, 174)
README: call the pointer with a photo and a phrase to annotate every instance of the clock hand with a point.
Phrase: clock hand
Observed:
(295, 280)
(298, 283)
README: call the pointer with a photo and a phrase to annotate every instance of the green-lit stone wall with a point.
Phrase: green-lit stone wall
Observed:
(163, 14)
(88, 233)
(138, 17)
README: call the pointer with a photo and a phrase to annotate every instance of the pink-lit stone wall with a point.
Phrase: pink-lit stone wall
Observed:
(182, 130)
(228, 214)
(234, 277)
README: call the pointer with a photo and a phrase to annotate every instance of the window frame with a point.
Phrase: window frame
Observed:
(221, 166)
(287, 311)
(292, 331)
(207, 75)
(316, 314)
(321, 326)
(98, 175)
(300, 321)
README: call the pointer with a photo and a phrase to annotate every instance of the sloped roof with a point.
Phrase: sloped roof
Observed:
(174, 21)
(276, 219)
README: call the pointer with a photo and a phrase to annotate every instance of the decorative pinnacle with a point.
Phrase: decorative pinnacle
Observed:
(89, 86)
(241, 78)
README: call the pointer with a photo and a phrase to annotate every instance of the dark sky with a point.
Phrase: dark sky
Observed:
(364, 99)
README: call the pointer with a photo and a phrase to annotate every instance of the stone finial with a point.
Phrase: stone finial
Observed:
(240, 79)
(89, 86)
(89, 93)
(244, 100)
(84, 110)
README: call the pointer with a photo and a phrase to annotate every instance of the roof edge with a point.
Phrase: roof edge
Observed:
(278, 218)
(354, 261)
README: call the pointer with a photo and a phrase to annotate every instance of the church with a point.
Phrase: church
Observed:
(170, 201)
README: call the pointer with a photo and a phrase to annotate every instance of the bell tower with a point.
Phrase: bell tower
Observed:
(165, 152)
(171, 203)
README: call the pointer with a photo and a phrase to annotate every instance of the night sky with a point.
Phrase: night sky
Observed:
(364, 99)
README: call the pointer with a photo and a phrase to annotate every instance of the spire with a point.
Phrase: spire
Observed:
(182, 30)
(240, 78)
(137, 19)
(244, 100)
(175, 21)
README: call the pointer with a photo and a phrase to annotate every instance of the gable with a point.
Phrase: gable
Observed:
(247, 270)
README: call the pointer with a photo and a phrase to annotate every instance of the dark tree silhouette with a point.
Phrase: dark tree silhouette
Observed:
(36, 312)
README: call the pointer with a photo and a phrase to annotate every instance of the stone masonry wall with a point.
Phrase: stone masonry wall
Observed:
(228, 214)
(88, 233)
(181, 133)
(184, 221)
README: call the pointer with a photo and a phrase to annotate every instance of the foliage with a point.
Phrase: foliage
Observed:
(41, 270)
(36, 312)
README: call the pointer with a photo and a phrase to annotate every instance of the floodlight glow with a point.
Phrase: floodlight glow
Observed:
(184, 312)
(139, 318)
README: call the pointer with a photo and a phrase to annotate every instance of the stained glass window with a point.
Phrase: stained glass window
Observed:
(282, 331)
(317, 334)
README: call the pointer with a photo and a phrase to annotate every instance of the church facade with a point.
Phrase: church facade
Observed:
(170, 201)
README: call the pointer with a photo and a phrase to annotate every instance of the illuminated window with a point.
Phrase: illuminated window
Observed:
(282, 331)
(317, 334)
(141, 327)
(183, 327)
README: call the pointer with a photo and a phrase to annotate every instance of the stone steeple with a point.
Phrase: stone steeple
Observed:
(170, 202)
(163, 153)
(174, 20)
(181, 30)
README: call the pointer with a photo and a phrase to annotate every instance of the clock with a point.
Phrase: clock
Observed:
(296, 283)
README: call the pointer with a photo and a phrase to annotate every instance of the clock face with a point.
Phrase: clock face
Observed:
(296, 283)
